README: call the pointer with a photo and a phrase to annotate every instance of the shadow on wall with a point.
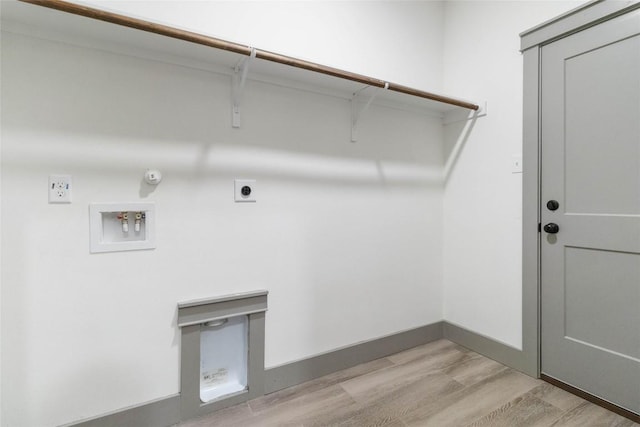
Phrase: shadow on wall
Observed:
(97, 113)
(456, 137)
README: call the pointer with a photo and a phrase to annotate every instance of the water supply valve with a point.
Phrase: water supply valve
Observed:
(139, 216)
(124, 219)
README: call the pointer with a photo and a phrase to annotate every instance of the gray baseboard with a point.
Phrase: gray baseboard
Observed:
(163, 412)
(307, 369)
(510, 356)
(166, 412)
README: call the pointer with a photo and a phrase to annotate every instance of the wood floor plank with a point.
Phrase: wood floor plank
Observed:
(371, 387)
(307, 408)
(392, 406)
(473, 370)
(363, 416)
(290, 393)
(224, 417)
(425, 350)
(472, 403)
(526, 410)
(387, 408)
(588, 414)
(557, 397)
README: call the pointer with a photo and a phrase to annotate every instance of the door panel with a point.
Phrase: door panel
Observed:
(596, 156)
(590, 160)
(600, 283)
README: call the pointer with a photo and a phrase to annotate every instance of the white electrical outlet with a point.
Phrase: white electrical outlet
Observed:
(59, 188)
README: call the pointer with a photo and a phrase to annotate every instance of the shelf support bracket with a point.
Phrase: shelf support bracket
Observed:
(239, 79)
(356, 114)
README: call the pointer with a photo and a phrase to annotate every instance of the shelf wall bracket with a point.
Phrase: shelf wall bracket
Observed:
(239, 79)
(356, 114)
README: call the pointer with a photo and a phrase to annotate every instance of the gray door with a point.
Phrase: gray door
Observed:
(590, 268)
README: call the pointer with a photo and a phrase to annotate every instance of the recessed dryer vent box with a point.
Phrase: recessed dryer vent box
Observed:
(222, 351)
(122, 226)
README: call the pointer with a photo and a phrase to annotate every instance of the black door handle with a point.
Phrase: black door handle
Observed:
(551, 228)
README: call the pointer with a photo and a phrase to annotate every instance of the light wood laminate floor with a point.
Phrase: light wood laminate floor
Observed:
(439, 384)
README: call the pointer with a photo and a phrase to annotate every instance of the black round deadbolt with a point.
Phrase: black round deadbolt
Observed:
(553, 205)
(246, 190)
(551, 228)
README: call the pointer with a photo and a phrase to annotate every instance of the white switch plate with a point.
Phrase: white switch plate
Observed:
(59, 188)
(516, 164)
(239, 185)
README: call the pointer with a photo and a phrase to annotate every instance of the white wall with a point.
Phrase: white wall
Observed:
(482, 204)
(346, 237)
(392, 40)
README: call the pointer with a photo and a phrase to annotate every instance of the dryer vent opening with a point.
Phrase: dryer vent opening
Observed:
(224, 357)
(222, 351)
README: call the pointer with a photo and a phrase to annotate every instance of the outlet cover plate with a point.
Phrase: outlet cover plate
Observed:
(242, 196)
(59, 188)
